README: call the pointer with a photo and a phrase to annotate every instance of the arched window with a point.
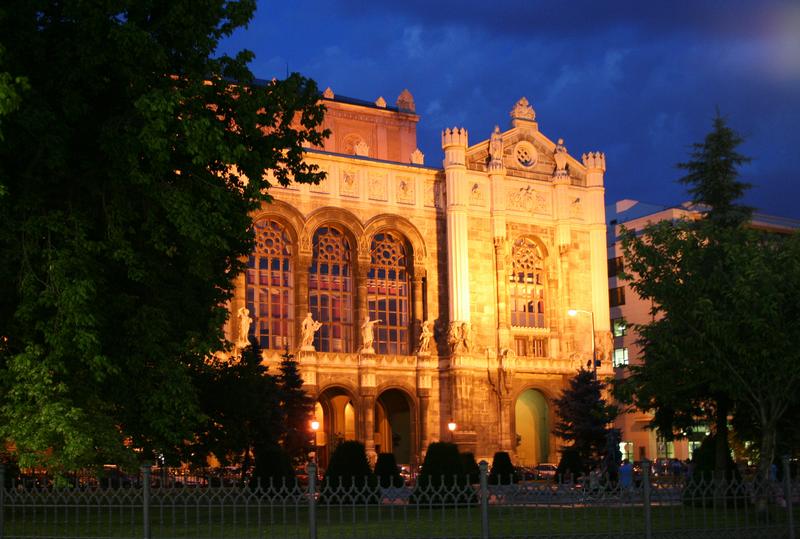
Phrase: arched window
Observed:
(526, 290)
(387, 293)
(330, 290)
(269, 286)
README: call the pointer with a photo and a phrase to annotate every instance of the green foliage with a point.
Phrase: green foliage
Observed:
(502, 472)
(349, 478)
(470, 466)
(130, 163)
(240, 401)
(584, 416)
(712, 176)
(725, 303)
(571, 465)
(387, 471)
(297, 407)
(273, 468)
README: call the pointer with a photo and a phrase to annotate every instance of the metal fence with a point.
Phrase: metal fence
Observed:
(154, 506)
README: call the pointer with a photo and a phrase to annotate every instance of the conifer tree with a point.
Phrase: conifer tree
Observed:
(584, 417)
(298, 408)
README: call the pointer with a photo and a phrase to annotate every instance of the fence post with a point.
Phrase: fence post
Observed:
(484, 467)
(787, 494)
(312, 500)
(2, 500)
(146, 500)
(648, 521)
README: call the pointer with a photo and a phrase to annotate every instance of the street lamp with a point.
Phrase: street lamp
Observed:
(451, 426)
(315, 428)
(574, 312)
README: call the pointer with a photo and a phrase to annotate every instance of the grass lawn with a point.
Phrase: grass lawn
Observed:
(201, 520)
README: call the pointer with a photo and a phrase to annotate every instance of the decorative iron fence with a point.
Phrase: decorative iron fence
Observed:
(153, 506)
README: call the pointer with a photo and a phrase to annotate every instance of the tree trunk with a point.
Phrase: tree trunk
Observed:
(765, 458)
(721, 451)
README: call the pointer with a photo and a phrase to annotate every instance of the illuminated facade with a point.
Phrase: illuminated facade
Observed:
(435, 294)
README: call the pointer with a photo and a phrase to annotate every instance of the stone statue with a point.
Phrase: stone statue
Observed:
(460, 337)
(496, 145)
(425, 337)
(368, 335)
(560, 156)
(244, 327)
(466, 336)
(309, 327)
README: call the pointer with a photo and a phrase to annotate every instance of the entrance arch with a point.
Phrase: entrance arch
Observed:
(532, 427)
(394, 425)
(336, 412)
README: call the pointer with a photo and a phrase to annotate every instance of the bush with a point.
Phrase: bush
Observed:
(387, 471)
(470, 466)
(349, 478)
(273, 468)
(700, 488)
(502, 470)
(442, 475)
(570, 466)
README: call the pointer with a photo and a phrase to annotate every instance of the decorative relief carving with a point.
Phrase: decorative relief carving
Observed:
(405, 102)
(476, 195)
(529, 199)
(323, 186)
(361, 149)
(417, 157)
(328, 93)
(405, 190)
(380, 102)
(576, 208)
(523, 110)
(349, 184)
(377, 186)
(525, 154)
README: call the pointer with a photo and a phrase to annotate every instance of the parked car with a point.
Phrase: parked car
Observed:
(545, 470)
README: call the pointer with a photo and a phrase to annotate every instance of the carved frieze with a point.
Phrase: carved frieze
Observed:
(405, 190)
(529, 199)
(477, 195)
(377, 186)
(348, 186)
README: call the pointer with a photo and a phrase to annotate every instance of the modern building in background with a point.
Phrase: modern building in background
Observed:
(436, 295)
(627, 308)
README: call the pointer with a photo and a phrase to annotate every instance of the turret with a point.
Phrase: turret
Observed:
(595, 163)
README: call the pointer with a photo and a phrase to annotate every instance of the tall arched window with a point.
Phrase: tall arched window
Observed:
(526, 290)
(387, 293)
(330, 290)
(269, 286)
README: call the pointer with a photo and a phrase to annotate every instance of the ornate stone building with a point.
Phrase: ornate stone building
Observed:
(435, 294)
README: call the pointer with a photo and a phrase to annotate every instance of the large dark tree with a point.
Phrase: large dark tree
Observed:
(584, 417)
(726, 300)
(297, 407)
(130, 162)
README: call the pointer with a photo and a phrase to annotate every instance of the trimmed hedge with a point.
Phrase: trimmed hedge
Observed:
(502, 472)
(387, 471)
(349, 478)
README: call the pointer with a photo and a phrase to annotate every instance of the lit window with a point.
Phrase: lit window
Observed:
(620, 357)
(330, 290)
(526, 288)
(269, 286)
(387, 293)
(619, 326)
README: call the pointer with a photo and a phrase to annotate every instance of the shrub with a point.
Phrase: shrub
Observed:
(273, 468)
(470, 466)
(502, 470)
(700, 488)
(443, 480)
(349, 478)
(571, 465)
(387, 471)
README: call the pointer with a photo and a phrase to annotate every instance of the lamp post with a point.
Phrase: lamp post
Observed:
(451, 426)
(315, 428)
(574, 312)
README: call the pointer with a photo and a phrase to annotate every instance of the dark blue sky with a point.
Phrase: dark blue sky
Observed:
(639, 80)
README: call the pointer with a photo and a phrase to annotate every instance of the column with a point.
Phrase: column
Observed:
(454, 144)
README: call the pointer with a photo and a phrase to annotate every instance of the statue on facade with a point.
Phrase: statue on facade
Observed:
(244, 327)
(560, 155)
(425, 337)
(460, 337)
(496, 146)
(308, 328)
(368, 334)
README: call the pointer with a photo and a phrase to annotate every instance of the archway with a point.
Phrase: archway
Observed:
(532, 427)
(336, 412)
(394, 425)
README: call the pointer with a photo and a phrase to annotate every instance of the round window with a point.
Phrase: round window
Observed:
(525, 154)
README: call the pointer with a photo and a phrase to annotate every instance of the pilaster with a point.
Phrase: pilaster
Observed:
(454, 144)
